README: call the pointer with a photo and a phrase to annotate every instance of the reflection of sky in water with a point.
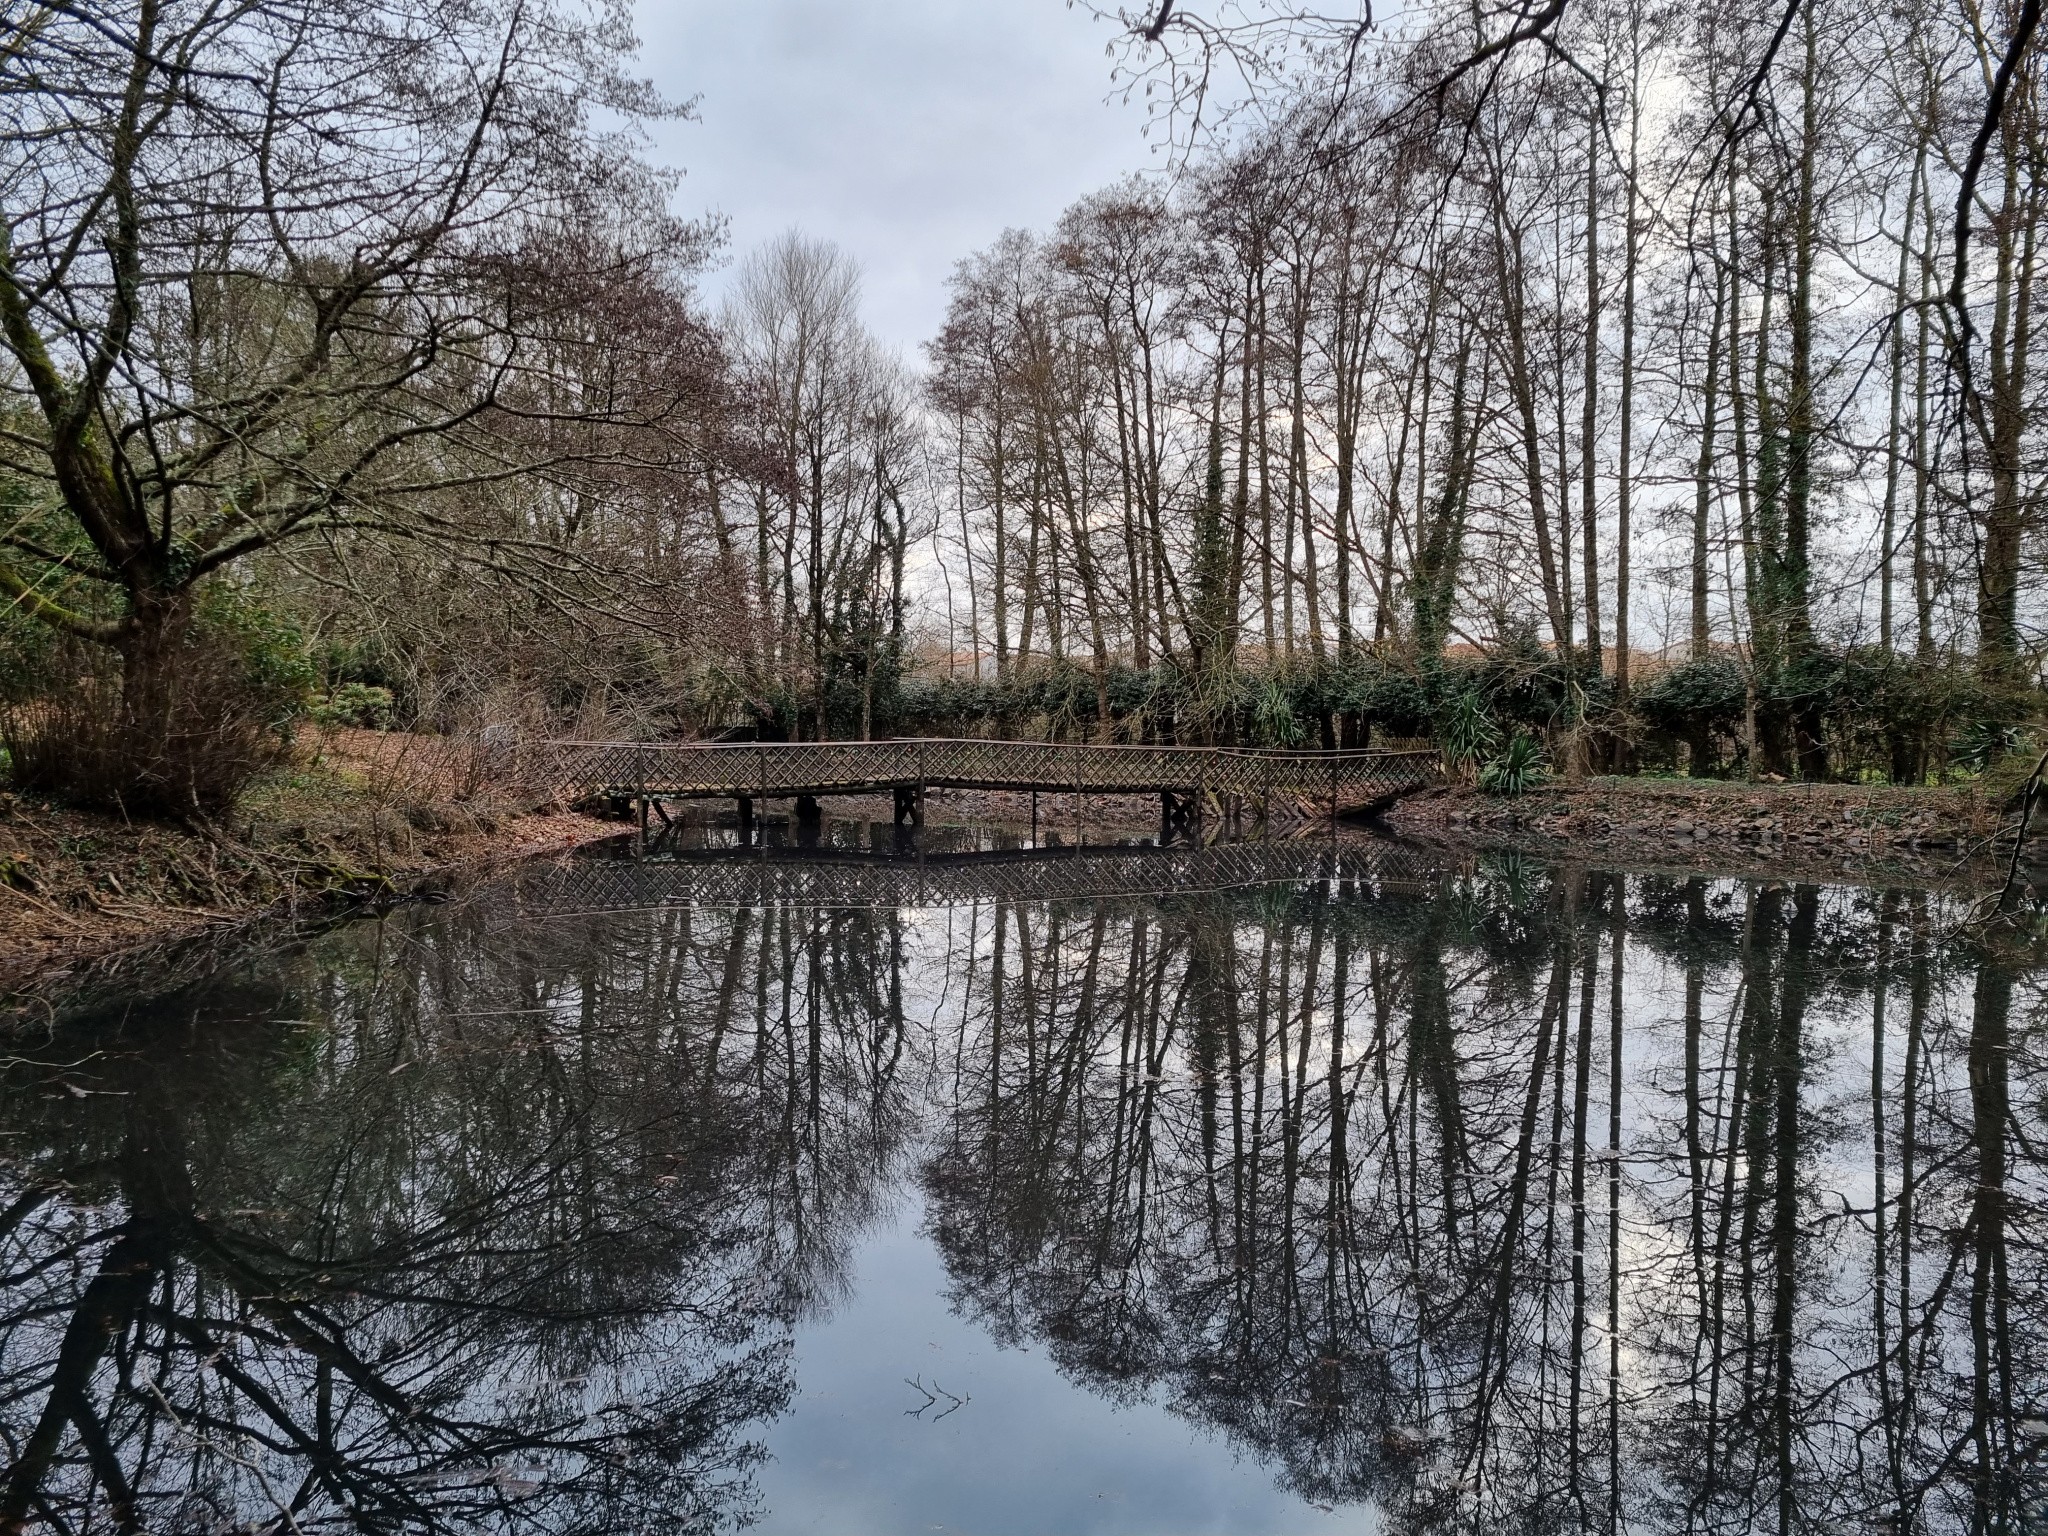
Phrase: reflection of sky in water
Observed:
(1029, 1455)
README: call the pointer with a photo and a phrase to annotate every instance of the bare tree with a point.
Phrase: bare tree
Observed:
(287, 269)
(830, 518)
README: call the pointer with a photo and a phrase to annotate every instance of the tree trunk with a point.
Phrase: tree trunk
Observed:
(1589, 406)
(1699, 749)
(1894, 459)
(1297, 473)
(999, 575)
(1261, 421)
(1802, 425)
(1522, 385)
(151, 646)
(2003, 433)
(1923, 572)
(1624, 468)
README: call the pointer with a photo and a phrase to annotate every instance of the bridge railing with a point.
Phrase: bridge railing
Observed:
(786, 768)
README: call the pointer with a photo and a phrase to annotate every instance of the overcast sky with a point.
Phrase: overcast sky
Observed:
(911, 132)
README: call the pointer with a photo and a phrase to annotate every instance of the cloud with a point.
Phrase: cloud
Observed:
(909, 131)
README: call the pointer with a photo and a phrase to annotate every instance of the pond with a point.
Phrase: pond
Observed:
(1302, 1186)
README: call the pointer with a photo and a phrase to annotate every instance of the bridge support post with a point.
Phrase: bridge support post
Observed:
(746, 810)
(809, 823)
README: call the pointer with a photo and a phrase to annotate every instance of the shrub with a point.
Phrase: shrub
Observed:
(232, 692)
(1465, 729)
(1517, 770)
(1398, 702)
(1522, 680)
(1274, 722)
(357, 704)
(2003, 781)
(1708, 694)
(272, 667)
(1984, 742)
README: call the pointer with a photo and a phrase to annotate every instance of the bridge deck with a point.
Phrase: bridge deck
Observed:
(770, 770)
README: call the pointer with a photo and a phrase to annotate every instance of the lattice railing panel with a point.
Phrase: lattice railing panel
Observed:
(787, 768)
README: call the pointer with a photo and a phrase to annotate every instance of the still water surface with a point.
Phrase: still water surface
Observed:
(1287, 1188)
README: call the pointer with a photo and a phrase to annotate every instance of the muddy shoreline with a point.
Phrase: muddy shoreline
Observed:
(78, 899)
(1871, 834)
(362, 819)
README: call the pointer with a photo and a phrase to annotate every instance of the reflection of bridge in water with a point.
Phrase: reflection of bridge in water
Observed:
(757, 877)
(1187, 779)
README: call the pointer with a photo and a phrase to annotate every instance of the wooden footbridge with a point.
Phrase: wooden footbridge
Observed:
(1189, 780)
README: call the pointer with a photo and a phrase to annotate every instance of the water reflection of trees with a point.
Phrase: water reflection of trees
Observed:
(1534, 1200)
(509, 1232)
(1538, 1202)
